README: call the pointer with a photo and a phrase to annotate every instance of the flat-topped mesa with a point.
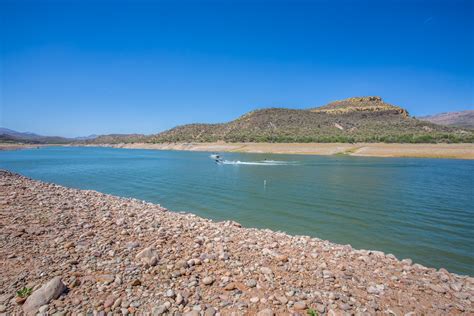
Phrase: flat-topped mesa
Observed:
(369, 104)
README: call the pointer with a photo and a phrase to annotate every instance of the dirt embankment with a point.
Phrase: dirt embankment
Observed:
(8, 146)
(458, 151)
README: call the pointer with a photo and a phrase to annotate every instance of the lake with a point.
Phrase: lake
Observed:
(414, 208)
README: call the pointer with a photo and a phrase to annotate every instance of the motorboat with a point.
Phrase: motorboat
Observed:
(217, 158)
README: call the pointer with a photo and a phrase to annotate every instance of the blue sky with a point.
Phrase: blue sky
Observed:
(81, 67)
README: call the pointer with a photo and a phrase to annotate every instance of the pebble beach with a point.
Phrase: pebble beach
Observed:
(81, 252)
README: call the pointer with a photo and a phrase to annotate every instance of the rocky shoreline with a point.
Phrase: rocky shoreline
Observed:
(82, 252)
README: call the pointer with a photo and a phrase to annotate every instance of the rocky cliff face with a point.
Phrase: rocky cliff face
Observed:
(368, 104)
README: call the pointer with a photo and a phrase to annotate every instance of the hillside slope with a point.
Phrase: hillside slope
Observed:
(360, 119)
(118, 138)
(464, 119)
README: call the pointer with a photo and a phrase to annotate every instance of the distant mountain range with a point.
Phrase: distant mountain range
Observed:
(464, 119)
(9, 132)
(358, 119)
(8, 135)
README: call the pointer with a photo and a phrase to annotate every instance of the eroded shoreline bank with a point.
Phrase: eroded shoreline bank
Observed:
(126, 256)
(453, 151)
(444, 151)
(10, 146)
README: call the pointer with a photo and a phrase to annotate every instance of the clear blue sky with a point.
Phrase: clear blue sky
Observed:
(80, 67)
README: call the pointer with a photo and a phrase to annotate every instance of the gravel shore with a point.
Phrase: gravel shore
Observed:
(84, 252)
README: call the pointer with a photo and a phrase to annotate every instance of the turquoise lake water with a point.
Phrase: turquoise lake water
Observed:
(414, 208)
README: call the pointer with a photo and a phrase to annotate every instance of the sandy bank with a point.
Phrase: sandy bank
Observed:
(127, 256)
(459, 151)
(9, 146)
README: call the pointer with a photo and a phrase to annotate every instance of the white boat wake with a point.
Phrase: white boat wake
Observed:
(259, 163)
(219, 160)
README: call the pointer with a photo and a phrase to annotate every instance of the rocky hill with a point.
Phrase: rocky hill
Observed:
(359, 119)
(463, 119)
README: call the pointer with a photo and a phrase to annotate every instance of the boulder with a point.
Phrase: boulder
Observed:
(148, 255)
(266, 312)
(44, 295)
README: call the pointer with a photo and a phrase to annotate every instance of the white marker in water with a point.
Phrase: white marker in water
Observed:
(264, 183)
